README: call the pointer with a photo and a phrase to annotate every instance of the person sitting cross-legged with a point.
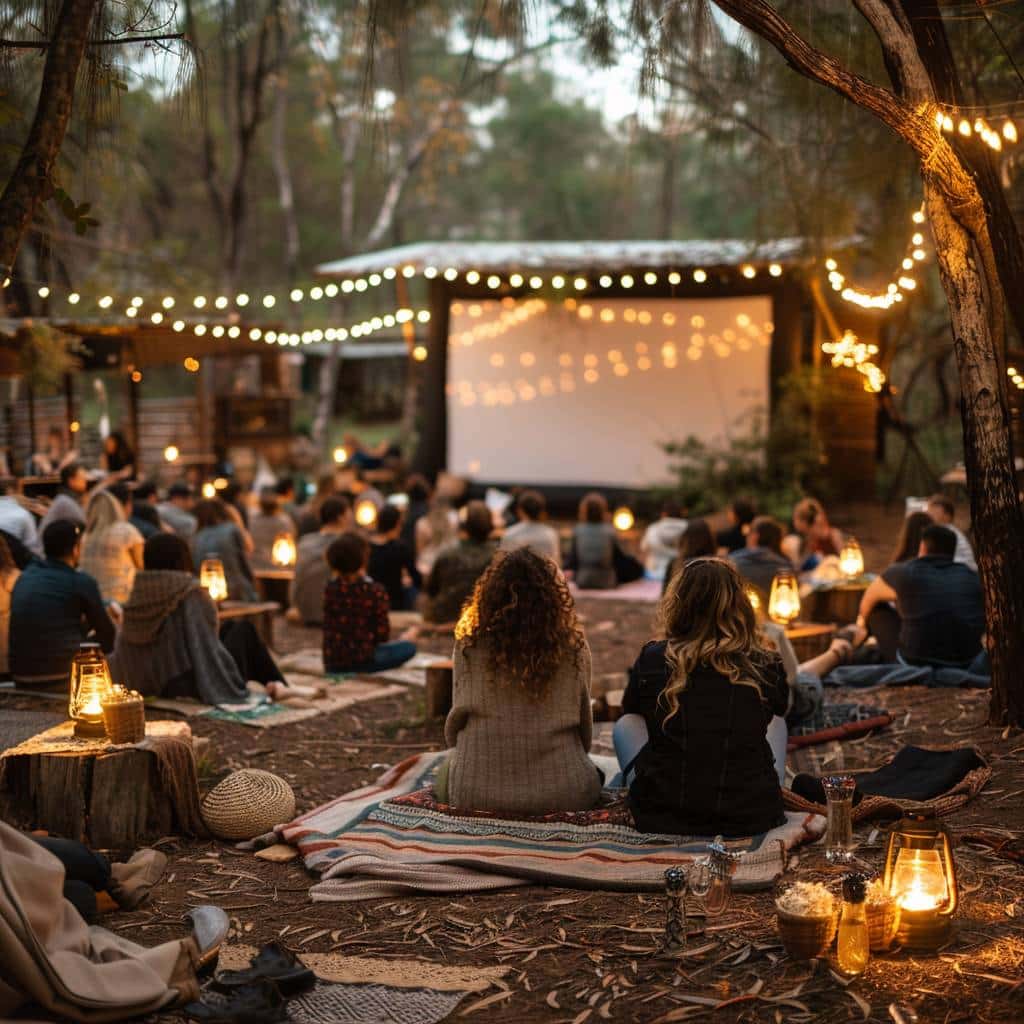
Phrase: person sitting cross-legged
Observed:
(531, 530)
(456, 570)
(356, 627)
(170, 644)
(762, 557)
(311, 569)
(702, 742)
(939, 615)
(520, 721)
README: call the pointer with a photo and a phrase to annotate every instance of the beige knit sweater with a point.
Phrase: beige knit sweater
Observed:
(515, 753)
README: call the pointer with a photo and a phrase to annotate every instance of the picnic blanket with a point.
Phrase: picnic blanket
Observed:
(393, 837)
(258, 711)
(310, 661)
(904, 675)
(641, 591)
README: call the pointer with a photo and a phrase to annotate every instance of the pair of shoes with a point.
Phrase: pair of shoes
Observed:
(272, 963)
(210, 927)
(132, 881)
(258, 1003)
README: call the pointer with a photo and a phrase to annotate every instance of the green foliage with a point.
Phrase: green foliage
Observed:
(775, 464)
(76, 213)
(45, 355)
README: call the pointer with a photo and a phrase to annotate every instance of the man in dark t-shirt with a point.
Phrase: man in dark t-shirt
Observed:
(939, 601)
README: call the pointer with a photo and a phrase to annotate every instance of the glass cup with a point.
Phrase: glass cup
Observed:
(839, 842)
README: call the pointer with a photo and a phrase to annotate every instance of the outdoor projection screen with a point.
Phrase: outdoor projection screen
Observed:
(586, 392)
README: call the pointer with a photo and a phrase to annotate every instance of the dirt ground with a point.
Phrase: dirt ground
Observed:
(576, 955)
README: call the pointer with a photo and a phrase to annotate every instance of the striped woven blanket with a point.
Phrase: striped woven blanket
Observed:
(392, 837)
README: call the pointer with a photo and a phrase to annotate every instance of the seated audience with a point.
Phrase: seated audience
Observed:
(311, 569)
(15, 519)
(741, 514)
(309, 520)
(813, 537)
(170, 644)
(595, 557)
(702, 743)
(520, 721)
(456, 570)
(697, 541)
(143, 514)
(54, 608)
(660, 544)
(9, 574)
(356, 628)
(117, 458)
(176, 512)
(435, 532)
(762, 558)
(111, 547)
(220, 535)
(943, 511)
(55, 456)
(391, 562)
(70, 495)
(285, 491)
(234, 497)
(939, 616)
(417, 490)
(531, 531)
(266, 524)
(909, 542)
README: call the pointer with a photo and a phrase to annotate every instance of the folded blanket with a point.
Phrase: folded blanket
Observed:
(372, 843)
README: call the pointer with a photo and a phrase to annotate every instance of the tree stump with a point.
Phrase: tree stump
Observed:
(439, 689)
(107, 797)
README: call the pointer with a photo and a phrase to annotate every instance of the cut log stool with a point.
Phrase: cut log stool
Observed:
(107, 797)
(439, 689)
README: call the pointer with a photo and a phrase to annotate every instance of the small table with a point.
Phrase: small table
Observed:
(261, 612)
(89, 789)
(275, 584)
(809, 639)
(837, 603)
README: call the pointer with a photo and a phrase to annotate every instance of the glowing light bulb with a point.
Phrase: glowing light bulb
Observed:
(605, 281)
(199, 301)
(105, 302)
(994, 141)
(650, 277)
(131, 311)
(907, 283)
(408, 271)
(74, 298)
(255, 334)
(775, 270)
(623, 519)
(295, 295)
(493, 281)
(700, 276)
(178, 325)
(917, 216)
(171, 453)
(268, 301)
(748, 271)
(964, 127)
(331, 290)
(516, 280)
(558, 281)
(1009, 131)
(450, 274)
(472, 277)
(221, 302)
(209, 491)
(580, 284)
(419, 353)
(947, 123)
(626, 280)
(675, 277)
(157, 317)
(366, 513)
(431, 272)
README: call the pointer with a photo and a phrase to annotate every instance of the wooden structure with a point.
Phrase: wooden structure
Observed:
(809, 639)
(260, 612)
(106, 797)
(700, 269)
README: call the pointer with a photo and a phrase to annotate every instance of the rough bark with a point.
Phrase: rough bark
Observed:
(31, 181)
(970, 279)
(283, 172)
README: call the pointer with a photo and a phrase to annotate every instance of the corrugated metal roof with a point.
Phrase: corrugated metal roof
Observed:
(594, 257)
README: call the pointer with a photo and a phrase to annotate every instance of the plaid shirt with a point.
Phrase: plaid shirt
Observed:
(355, 621)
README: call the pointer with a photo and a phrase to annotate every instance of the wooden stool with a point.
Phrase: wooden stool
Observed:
(810, 639)
(840, 603)
(107, 797)
(439, 689)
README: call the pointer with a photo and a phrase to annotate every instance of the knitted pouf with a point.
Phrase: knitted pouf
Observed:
(248, 803)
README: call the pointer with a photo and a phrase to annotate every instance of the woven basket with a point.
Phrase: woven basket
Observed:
(125, 718)
(248, 803)
(883, 923)
(806, 937)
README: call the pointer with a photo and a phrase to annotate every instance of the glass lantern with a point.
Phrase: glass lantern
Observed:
(920, 876)
(366, 514)
(851, 559)
(282, 552)
(623, 519)
(784, 600)
(89, 687)
(212, 578)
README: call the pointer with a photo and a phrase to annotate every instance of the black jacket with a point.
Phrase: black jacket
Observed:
(708, 770)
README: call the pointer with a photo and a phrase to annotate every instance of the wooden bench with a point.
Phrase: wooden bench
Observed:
(275, 584)
(261, 612)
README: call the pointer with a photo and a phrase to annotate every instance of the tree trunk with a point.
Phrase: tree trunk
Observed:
(282, 169)
(327, 387)
(31, 183)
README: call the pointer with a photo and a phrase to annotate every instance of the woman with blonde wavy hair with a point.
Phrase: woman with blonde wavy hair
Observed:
(520, 721)
(111, 547)
(702, 741)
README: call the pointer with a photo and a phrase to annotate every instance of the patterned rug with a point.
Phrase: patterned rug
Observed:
(310, 661)
(372, 1004)
(371, 843)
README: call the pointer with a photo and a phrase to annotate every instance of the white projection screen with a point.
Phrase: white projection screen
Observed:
(547, 391)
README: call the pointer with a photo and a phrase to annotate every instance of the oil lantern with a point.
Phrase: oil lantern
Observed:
(211, 577)
(851, 559)
(623, 519)
(90, 686)
(784, 600)
(921, 877)
(283, 550)
(366, 513)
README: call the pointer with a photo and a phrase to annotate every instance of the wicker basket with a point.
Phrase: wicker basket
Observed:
(248, 803)
(124, 717)
(806, 937)
(883, 923)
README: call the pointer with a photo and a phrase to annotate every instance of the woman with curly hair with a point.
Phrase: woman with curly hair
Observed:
(520, 720)
(702, 741)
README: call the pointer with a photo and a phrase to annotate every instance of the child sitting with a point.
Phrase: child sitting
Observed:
(698, 744)
(520, 721)
(356, 626)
